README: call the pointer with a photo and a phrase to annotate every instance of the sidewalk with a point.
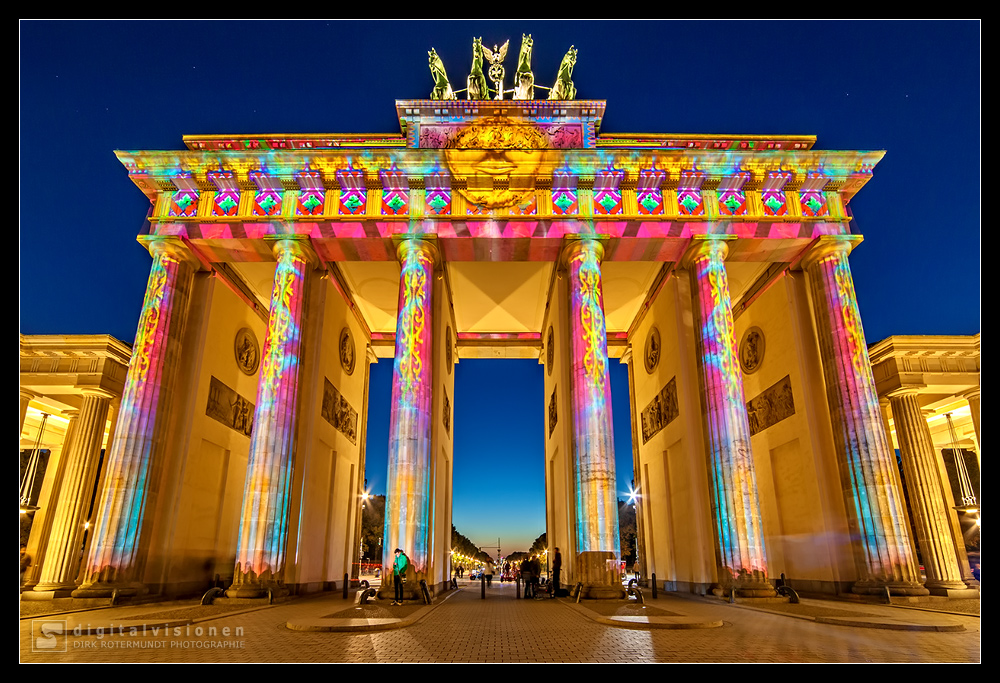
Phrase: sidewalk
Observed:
(461, 627)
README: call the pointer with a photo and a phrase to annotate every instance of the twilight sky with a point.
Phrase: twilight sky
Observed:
(90, 87)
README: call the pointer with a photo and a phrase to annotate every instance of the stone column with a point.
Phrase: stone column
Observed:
(876, 514)
(41, 522)
(972, 396)
(114, 560)
(927, 501)
(408, 499)
(735, 501)
(260, 553)
(597, 541)
(26, 397)
(62, 559)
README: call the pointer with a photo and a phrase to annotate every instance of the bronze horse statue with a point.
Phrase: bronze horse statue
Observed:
(477, 89)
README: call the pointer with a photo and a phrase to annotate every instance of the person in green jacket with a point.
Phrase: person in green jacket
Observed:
(398, 572)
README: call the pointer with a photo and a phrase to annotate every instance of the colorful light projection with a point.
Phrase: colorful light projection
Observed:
(139, 435)
(395, 193)
(408, 500)
(353, 196)
(876, 513)
(267, 199)
(732, 198)
(593, 438)
(311, 198)
(648, 193)
(812, 199)
(689, 198)
(735, 501)
(437, 194)
(226, 200)
(184, 202)
(772, 194)
(607, 196)
(263, 536)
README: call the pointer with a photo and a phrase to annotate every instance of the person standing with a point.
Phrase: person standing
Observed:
(489, 573)
(398, 572)
(556, 566)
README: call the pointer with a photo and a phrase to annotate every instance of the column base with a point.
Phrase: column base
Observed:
(964, 592)
(895, 588)
(101, 589)
(598, 572)
(43, 593)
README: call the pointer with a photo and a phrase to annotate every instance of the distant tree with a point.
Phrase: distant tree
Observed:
(539, 546)
(627, 533)
(372, 528)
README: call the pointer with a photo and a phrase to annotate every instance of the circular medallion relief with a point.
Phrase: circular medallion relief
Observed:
(346, 350)
(550, 350)
(247, 351)
(752, 350)
(651, 354)
(447, 350)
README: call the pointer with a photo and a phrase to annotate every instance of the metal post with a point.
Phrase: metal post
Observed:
(654, 585)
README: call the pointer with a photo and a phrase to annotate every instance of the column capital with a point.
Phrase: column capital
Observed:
(97, 392)
(972, 394)
(298, 244)
(28, 394)
(171, 246)
(905, 390)
(706, 246)
(575, 244)
(826, 247)
(405, 243)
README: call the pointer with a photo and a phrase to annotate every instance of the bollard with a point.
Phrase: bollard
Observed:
(654, 586)
(346, 581)
(482, 583)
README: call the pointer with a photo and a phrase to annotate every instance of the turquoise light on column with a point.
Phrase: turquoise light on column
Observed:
(115, 560)
(876, 514)
(408, 500)
(260, 554)
(735, 501)
(593, 434)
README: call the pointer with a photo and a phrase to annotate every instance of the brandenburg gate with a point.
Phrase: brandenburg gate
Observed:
(715, 266)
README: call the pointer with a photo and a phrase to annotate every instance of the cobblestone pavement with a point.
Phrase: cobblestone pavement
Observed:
(464, 628)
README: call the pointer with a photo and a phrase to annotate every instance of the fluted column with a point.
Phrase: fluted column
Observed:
(597, 541)
(26, 397)
(876, 513)
(927, 501)
(408, 503)
(115, 560)
(972, 396)
(62, 558)
(260, 553)
(735, 501)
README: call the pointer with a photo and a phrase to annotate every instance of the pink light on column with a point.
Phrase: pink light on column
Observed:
(260, 554)
(736, 503)
(593, 437)
(114, 561)
(408, 503)
(876, 514)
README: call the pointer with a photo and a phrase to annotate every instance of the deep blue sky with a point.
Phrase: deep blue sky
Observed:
(88, 88)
